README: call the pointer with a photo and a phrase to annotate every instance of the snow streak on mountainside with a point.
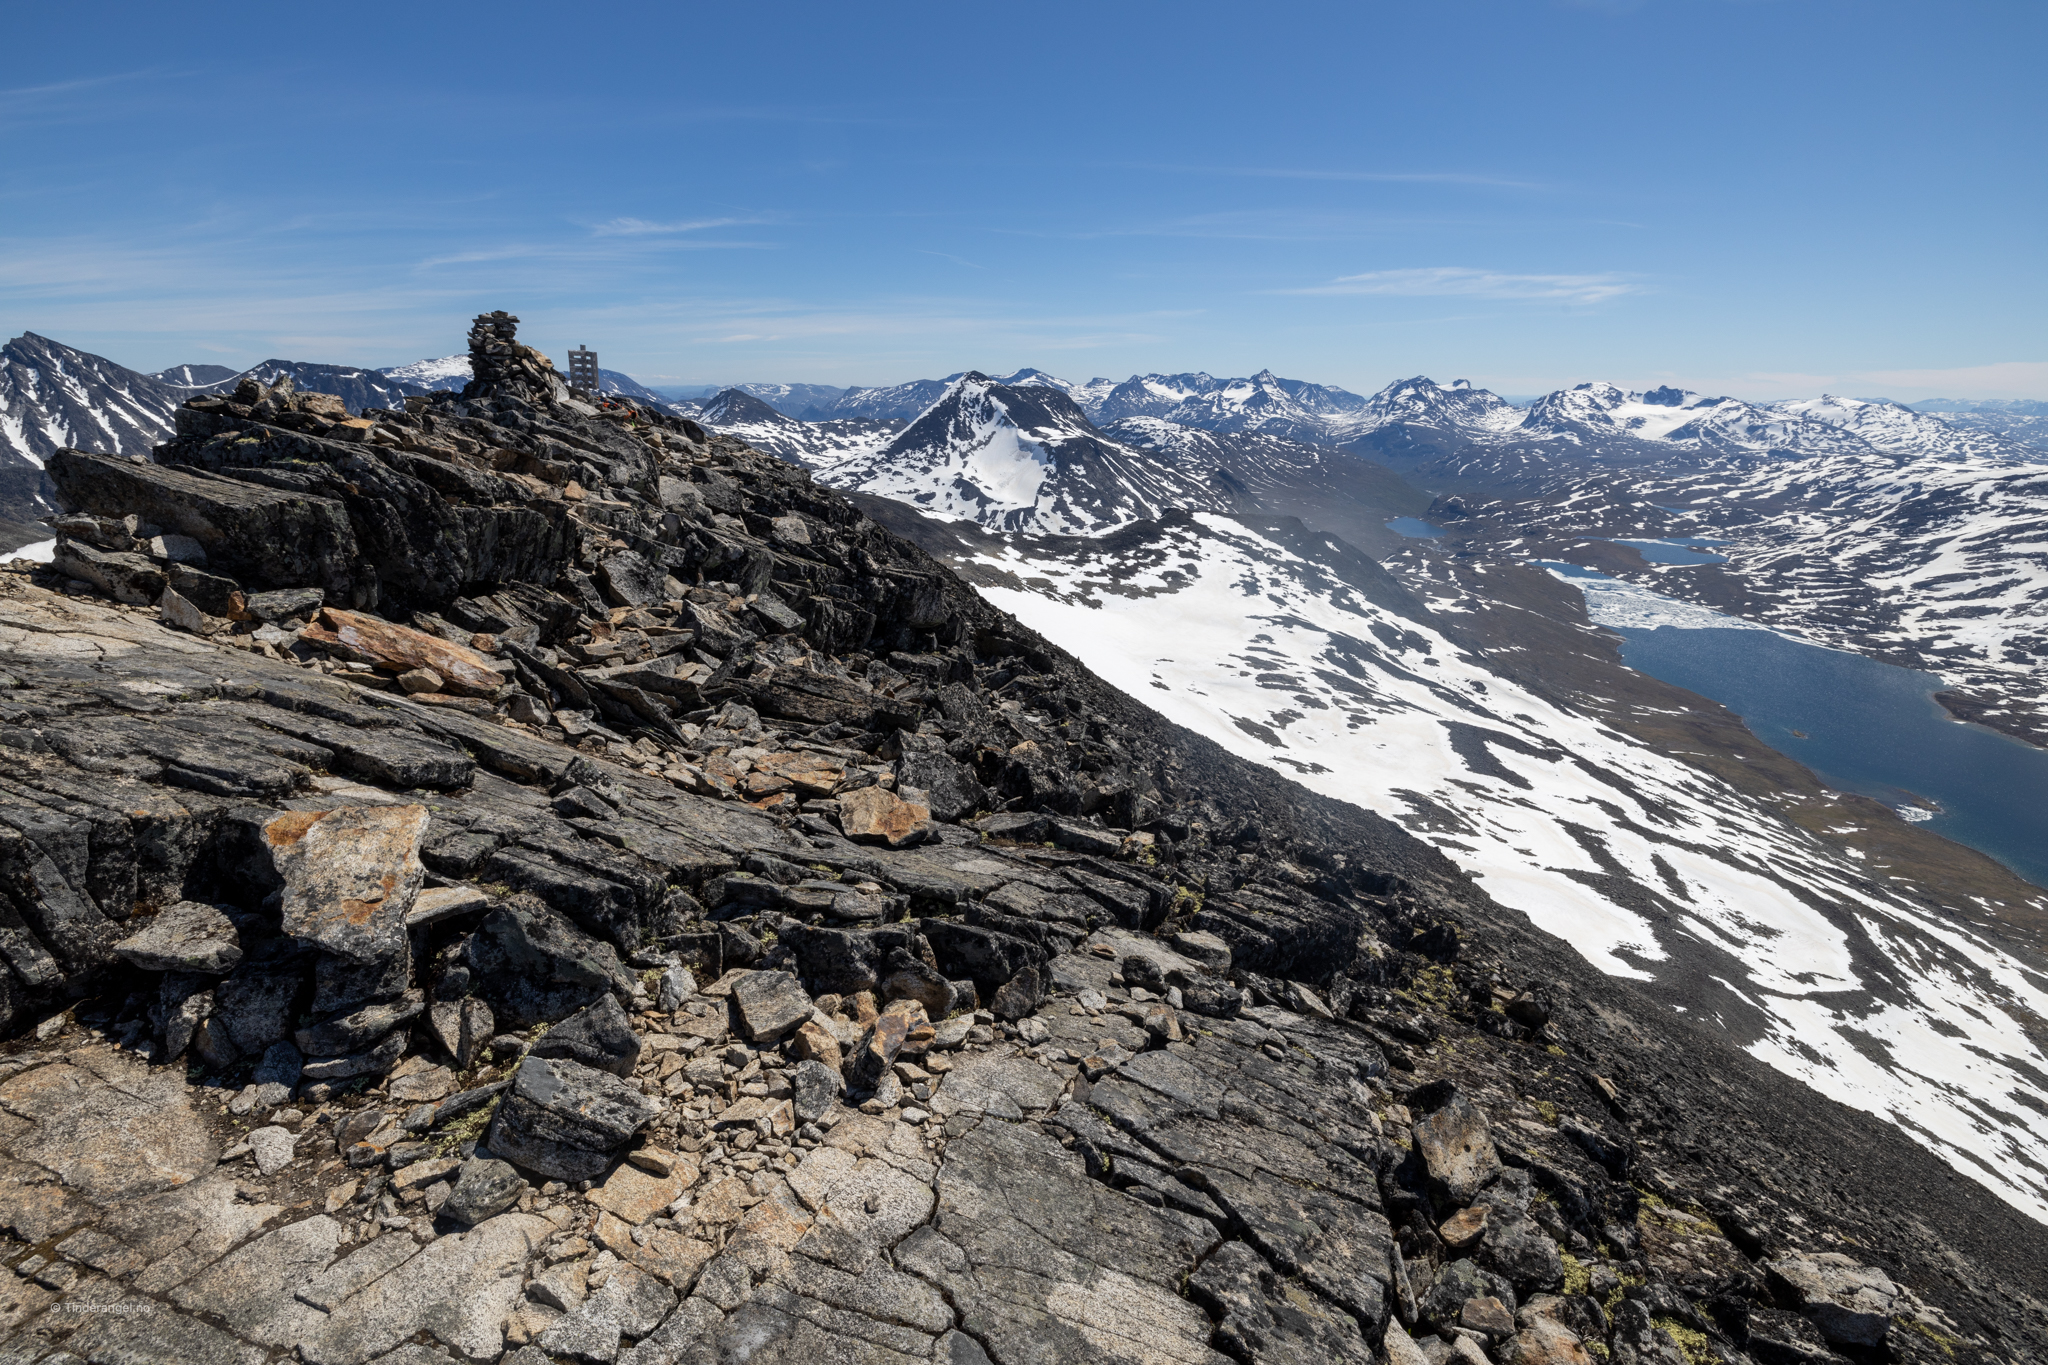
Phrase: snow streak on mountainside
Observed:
(448, 372)
(802, 401)
(1018, 458)
(904, 402)
(200, 377)
(1283, 647)
(52, 396)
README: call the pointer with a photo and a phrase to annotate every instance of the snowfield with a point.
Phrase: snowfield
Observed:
(1276, 657)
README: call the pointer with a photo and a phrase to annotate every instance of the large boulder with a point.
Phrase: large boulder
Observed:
(987, 957)
(1849, 1302)
(1452, 1139)
(566, 1120)
(350, 875)
(271, 536)
(950, 790)
(871, 815)
(483, 1189)
(598, 1035)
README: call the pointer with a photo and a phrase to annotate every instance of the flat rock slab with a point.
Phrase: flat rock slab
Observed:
(459, 1288)
(1004, 1085)
(350, 875)
(636, 1195)
(107, 1127)
(1046, 1264)
(189, 936)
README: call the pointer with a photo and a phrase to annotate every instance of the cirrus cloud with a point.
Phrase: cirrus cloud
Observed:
(1455, 281)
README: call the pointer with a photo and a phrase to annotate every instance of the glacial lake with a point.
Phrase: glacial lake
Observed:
(1863, 726)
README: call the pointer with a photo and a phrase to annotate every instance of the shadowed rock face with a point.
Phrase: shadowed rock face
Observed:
(1239, 1060)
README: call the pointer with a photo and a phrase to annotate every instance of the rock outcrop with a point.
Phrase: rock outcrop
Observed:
(512, 876)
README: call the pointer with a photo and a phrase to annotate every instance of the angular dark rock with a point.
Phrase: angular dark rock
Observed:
(599, 1035)
(768, 1006)
(984, 956)
(484, 1188)
(360, 1029)
(1455, 1284)
(816, 1088)
(876, 1052)
(1022, 994)
(565, 1120)
(535, 966)
(270, 536)
(950, 791)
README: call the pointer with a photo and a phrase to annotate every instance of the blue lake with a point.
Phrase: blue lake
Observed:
(1415, 528)
(1869, 728)
(1865, 727)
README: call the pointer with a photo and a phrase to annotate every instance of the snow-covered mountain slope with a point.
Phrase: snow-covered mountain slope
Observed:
(1457, 408)
(811, 444)
(1018, 458)
(52, 396)
(1899, 430)
(1151, 395)
(194, 376)
(2023, 429)
(1290, 649)
(448, 372)
(1592, 413)
(904, 402)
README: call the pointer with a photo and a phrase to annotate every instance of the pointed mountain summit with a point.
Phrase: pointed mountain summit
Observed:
(1020, 458)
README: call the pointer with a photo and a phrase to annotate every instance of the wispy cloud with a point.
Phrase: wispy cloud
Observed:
(1474, 178)
(949, 256)
(641, 227)
(1447, 281)
(31, 93)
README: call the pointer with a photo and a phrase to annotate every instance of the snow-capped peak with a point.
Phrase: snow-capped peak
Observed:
(445, 372)
(1019, 457)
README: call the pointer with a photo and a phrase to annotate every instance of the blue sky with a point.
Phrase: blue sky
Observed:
(1764, 198)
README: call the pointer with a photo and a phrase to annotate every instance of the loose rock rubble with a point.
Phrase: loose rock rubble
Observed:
(519, 877)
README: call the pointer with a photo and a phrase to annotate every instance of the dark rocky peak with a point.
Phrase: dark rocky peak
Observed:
(541, 881)
(734, 407)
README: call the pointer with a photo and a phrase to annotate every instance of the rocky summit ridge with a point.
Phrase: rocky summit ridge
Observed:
(521, 876)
